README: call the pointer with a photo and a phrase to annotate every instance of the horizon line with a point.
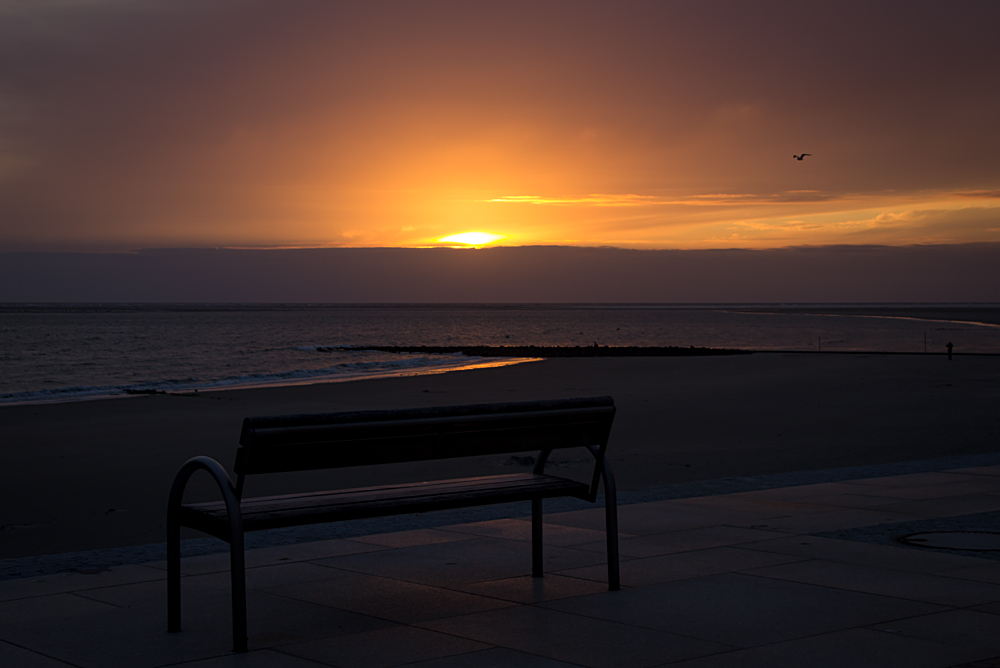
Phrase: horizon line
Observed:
(499, 247)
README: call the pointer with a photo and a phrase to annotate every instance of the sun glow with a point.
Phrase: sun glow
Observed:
(472, 238)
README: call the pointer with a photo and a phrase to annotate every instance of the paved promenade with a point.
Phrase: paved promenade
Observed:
(778, 577)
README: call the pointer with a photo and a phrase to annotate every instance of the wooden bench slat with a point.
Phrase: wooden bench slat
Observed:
(295, 510)
(254, 504)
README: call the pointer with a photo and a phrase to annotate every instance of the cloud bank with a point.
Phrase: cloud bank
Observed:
(858, 274)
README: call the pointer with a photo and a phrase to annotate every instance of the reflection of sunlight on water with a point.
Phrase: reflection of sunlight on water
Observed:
(434, 367)
(423, 366)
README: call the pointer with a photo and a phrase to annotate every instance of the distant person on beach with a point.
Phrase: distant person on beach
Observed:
(949, 350)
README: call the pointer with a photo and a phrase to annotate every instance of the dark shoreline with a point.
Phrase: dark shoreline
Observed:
(556, 351)
(623, 351)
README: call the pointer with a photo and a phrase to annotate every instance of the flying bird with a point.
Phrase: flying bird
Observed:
(799, 157)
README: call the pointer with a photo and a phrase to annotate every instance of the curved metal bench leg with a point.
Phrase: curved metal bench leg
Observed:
(537, 568)
(236, 558)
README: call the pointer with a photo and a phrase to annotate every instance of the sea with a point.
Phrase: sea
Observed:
(74, 352)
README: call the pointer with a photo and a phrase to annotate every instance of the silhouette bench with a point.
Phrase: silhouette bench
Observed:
(334, 440)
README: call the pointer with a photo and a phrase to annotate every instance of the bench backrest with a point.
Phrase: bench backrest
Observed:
(335, 440)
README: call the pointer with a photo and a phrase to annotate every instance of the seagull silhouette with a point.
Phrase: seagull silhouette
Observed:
(799, 157)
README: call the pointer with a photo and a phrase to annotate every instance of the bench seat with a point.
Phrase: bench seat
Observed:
(275, 512)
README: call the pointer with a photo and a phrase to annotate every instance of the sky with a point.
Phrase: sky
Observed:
(130, 125)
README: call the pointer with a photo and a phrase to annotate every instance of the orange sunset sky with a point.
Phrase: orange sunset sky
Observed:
(127, 124)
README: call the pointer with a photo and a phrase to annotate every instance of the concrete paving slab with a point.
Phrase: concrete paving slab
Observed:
(990, 608)
(574, 638)
(683, 515)
(18, 657)
(387, 598)
(497, 657)
(869, 554)
(411, 538)
(742, 610)
(262, 658)
(136, 636)
(270, 556)
(591, 518)
(114, 639)
(517, 529)
(210, 584)
(885, 581)
(206, 604)
(661, 516)
(653, 545)
(983, 573)
(683, 565)
(831, 520)
(48, 608)
(767, 506)
(383, 648)
(463, 562)
(945, 507)
(857, 648)
(77, 581)
(527, 589)
(959, 628)
(851, 501)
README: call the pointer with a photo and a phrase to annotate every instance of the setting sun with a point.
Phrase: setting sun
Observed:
(472, 238)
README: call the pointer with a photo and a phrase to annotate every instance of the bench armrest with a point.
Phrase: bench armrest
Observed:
(236, 556)
(602, 470)
(224, 483)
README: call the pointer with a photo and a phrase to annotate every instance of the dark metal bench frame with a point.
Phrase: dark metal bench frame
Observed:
(323, 441)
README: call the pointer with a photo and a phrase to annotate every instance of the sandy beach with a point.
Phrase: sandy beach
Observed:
(95, 474)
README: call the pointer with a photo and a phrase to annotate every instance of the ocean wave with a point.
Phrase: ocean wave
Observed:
(338, 372)
(340, 348)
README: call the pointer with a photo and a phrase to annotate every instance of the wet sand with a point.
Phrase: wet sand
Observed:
(90, 475)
